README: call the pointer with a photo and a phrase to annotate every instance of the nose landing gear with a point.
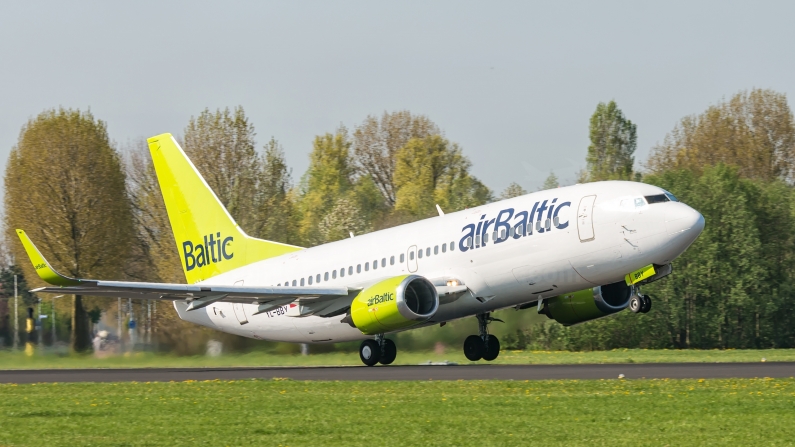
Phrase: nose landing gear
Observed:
(381, 350)
(483, 346)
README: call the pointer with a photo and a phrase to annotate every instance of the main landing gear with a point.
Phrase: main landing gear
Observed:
(640, 303)
(483, 346)
(381, 350)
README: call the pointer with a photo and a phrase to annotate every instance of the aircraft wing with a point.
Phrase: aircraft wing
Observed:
(197, 295)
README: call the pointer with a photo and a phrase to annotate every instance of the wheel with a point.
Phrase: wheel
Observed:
(635, 304)
(389, 352)
(646, 304)
(492, 348)
(370, 352)
(474, 348)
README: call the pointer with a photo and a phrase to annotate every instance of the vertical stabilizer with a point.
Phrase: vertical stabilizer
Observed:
(209, 241)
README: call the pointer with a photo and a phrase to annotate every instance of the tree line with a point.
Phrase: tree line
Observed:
(96, 211)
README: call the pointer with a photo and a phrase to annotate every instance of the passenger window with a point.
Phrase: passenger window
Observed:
(444, 248)
(547, 224)
(485, 238)
(452, 246)
(477, 240)
(302, 282)
(333, 274)
(325, 276)
(403, 258)
(310, 280)
(358, 268)
(279, 285)
(391, 260)
(428, 251)
(468, 242)
(342, 272)
(375, 264)
(366, 266)
(419, 253)
(383, 262)
(556, 221)
(350, 270)
(538, 225)
(436, 250)
(294, 284)
(502, 234)
(411, 255)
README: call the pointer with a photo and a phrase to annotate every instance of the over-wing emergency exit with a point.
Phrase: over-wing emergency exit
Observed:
(573, 254)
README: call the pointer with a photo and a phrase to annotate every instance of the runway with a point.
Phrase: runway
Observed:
(419, 372)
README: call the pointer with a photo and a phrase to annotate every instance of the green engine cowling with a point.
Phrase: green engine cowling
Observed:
(588, 304)
(394, 303)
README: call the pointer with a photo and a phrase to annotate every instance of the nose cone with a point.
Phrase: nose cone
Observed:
(683, 224)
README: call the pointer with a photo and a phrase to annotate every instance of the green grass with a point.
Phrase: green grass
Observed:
(10, 360)
(482, 413)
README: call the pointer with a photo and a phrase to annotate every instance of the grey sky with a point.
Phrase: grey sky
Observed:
(513, 82)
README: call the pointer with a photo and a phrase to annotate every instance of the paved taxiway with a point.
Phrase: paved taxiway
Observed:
(420, 372)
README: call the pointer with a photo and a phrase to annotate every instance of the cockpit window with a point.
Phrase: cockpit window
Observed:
(671, 197)
(658, 198)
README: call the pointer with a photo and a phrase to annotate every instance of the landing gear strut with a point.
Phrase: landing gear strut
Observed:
(483, 346)
(381, 350)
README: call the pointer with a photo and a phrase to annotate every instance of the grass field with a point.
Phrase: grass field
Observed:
(478, 413)
(10, 360)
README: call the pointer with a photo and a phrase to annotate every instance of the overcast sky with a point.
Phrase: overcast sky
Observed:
(514, 83)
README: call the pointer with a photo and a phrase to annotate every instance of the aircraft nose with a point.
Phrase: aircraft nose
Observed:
(684, 221)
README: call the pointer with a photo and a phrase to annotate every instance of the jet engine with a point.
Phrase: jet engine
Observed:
(394, 303)
(588, 304)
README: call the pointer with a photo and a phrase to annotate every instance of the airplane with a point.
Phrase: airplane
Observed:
(574, 254)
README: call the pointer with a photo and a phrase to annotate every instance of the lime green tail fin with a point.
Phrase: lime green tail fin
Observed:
(209, 241)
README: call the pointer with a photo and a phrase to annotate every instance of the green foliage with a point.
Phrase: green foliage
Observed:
(65, 185)
(753, 131)
(551, 182)
(613, 142)
(288, 412)
(433, 171)
(221, 145)
(513, 190)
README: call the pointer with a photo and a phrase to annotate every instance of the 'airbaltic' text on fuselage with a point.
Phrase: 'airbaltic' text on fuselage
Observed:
(476, 236)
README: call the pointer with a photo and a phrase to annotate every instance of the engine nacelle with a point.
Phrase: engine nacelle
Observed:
(394, 303)
(589, 304)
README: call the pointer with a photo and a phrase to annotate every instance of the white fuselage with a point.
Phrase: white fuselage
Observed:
(591, 241)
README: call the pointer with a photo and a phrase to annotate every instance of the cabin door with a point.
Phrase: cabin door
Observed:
(585, 219)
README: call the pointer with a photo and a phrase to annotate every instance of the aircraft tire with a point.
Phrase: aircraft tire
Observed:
(492, 349)
(369, 352)
(646, 304)
(389, 352)
(635, 304)
(474, 348)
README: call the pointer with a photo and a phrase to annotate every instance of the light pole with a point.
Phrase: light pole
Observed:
(16, 316)
(54, 335)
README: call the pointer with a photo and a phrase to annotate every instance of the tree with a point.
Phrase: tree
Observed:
(154, 237)
(513, 190)
(432, 171)
(276, 211)
(65, 186)
(613, 143)
(377, 142)
(330, 177)
(551, 182)
(221, 145)
(753, 131)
